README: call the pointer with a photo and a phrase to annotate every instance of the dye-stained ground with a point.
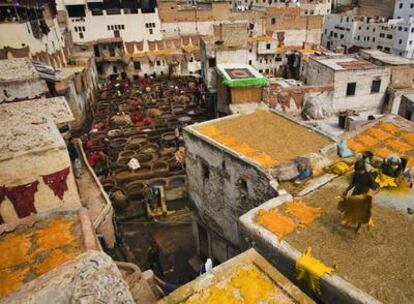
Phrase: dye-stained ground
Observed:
(31, 251)
(379, 261)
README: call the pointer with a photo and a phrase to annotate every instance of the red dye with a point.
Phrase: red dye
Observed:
(57, 182)
(22, 198)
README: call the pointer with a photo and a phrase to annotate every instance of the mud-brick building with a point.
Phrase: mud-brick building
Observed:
(234, 164)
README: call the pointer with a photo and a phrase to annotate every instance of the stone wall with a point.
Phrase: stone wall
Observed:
(222, 186)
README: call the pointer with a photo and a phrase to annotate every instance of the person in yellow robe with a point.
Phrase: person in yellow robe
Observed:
(357, 207)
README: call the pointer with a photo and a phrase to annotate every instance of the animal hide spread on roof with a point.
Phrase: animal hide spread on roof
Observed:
(160, 44)
(22, 198)
(151, 45)
(130, 47)
(57, 182)
(2, 195)
(139, 45)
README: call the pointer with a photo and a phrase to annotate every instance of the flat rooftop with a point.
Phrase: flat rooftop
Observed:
(388, 58)
(391, 135)
(264, 137)
(18, 69)
(30, 125)
(247, 278)
(345, 63)
(29, 252)
(240, 75)
(378, 261)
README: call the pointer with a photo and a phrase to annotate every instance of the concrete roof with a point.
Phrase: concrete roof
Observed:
(31, 125)
(18, 69)
(345, 63)
(69, 71)
(263, 137)
(27, 264)
(387, 58)
(202, 288)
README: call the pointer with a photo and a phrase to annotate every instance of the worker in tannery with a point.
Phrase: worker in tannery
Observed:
(357, 207)
(74, 158)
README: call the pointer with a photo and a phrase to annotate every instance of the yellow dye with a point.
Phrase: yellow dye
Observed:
(56, 233)
(247, 286)
(253, 285)
(226, 140)
(356, 146)
(378, 134)
(305, 213)
(10, 280)
(382, 152)
(265, 160)
(389, 127)
(399, 147)
(210, 131)
(385, 181)
(311, 270)
(410, 163)
(14, 249)
(408, 137)
(339, 168)
(367, 140)
(54, 259)
(276, 223)
(244, 149)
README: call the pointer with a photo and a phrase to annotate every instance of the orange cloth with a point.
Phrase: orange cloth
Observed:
(357, 209)
(275, 222)
(303, 212)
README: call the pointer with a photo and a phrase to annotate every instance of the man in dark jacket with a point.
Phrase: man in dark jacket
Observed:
(74, 158)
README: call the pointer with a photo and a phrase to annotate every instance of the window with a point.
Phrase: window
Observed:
(412, 5)
(150, 31)
(83, 29)
(205, 171)
(122, 26)
(158, 62)
(250, 62)
(137, 65)
(350, 89)
(115, 69)
(406, 29)
(342, 36)
(76, 28)
(412, 30)
(112, 27)
(268, 45)
(326, 31)
(212, 62)
(358, 37)
(273, 20)
(243, 185)
(75, 11)
(401, 5)
(400, 41)
(389, 36)
(411, 42)
(80, 35)
(117, 34)
(400, 28)
(375, 86)
(373, 39)
(382, 35)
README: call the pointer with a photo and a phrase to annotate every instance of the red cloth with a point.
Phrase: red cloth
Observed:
(2, 195)
(57, 182)
(88, 144)
(93, 158)
(147, 121)
(22, 198)
(136, 117)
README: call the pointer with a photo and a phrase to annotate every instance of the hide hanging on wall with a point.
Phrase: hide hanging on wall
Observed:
(22, 198)
(57, 182)
(2, 195)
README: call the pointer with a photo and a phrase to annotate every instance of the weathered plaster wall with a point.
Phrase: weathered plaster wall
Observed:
(30, 167)
(232, 187)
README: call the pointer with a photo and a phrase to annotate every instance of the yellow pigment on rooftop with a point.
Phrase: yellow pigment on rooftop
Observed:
(25, 254)
(306, 214)
(275, 222)
(398, 146)
(20, 243)
(367, 140)
(378, 133)
(56, 233)
(356, 146)
(389, 127)
(247, 286)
